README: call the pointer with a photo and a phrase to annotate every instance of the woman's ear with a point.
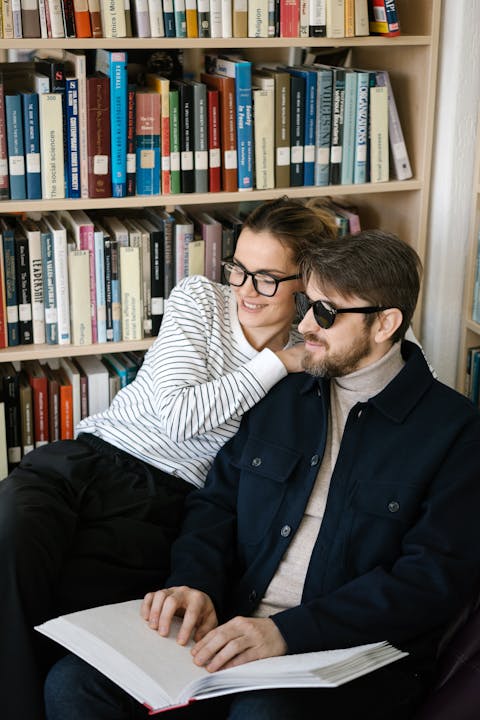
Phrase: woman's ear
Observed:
(388, 323)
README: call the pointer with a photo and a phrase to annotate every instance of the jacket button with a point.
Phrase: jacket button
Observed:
(393, 506)
(314, 460)
(252, 597)
(256, 462)
(285, 531)
(359, 413)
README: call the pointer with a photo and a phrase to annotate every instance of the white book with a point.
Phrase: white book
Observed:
(17, 18)
(97, 383)
(32, 233)
(40, 83)
(304, 18)
(401, 163)
(160, 673)
(138, 236)
(196, 257)
(216, 18)
(155, 12)
(257, 18)
(335, 12)
(263, 125)
(227, 20)
(59, 235)
(79, 281)
(57, 28)
(131, 289)
(183, 236)
(112, 13)
(361, 17)
(73, 375)
(99, 243)
(43, 18)
(379, 162)
(51, 146)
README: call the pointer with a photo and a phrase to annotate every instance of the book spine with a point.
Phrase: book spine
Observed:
(132, 307)
(297, 129)
(98, 136)
(349, 23)
(73, 156)
(350, 112)
(107, 257)
(289, 18)
(361, 18)
(200, 137)
(257, 18)
(169, 18)
(12, 419)
(131, 159)
(116, 292)
(95, 18)
(243, 91)
(26, 414)
(180, 18)
(203, 18)
(157, 279)
(32, 145)
(323, 126)
(317, 21)
(83, 28)
(175, 181)
(57, 28)
(113, 18)
(384, 20)
(338, 105)
(61, 286)
(36, 286)
(49, 290)
(22, 263)
(148, 143)
(215, 18)
(42, 11)
(69, 18)
(282, 130)
(310, 110)
(66, 412)
(30, 19)
(7, 16)
(80, 288)
(51, 146)
(4, 186)
(214, 149)
(264, 114)
(40, 410)
(361, 129)
(100, 286)
(303, 28)
(191, 15)
(187, 124)
(240, 18)
(87, 242)
(15, 146)
(379, 162)
(10, 272)
(165, 135)
(155, 11)
(142, 18)
(401, 162)
(17, 19)
(168, 252)
(3, 304)
(335, 17)
(53, 408)
(118, 122)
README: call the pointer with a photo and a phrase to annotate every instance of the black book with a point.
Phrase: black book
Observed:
(231, 229)
(297, 129)
(157, 278)
(13, 426)
(338, 103)
(24, 294)
(185, 104)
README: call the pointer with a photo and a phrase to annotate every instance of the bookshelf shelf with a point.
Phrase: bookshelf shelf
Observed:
(44, 352)
(205, 43)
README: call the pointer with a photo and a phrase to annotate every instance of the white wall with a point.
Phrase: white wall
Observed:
(452, 177)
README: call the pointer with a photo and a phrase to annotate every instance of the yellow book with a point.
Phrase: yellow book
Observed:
(192, 18)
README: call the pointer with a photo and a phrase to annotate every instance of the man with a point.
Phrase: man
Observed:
(343, 512)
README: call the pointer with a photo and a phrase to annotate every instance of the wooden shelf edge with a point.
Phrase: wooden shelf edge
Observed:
(27, 352)
(473, 326)
(185, 43)
(22, 206)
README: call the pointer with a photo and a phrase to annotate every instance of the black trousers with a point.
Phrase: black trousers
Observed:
(81, 524)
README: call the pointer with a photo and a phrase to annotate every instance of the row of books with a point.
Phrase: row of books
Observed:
(472, 375)
(40, 403)
(197, 18)
(241, 127)
(78, 278)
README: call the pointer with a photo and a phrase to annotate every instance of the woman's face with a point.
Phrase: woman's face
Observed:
(262, 252)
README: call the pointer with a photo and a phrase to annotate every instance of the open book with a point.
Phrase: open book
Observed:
(159, 673)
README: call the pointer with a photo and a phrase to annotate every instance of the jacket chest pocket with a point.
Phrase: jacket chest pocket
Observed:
(265, 469)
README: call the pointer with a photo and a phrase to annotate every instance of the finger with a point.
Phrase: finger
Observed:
(171, 604)
(229, 653)
(219, 646)
(208, 623)
(146, 605)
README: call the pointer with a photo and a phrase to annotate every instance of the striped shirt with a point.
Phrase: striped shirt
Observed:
(197, 380)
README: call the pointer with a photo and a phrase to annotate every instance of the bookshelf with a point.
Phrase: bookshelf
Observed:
(401, 207)
(470, 330)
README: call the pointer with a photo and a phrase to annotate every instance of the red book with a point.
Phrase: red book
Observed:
(4, 193)
(38, 381)
(214, 149)
(98, 136)
(384, 18)
(53, 404)
(65, 404)
(226, 92)
(82, 19)
(289, 18)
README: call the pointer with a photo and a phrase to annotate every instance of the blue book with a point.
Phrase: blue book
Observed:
(31, 136)
(118, 367)
(323, 124)
(349, 124)
(147, 142)
(310, 78)
(10, 278)
(49, 292)
(73, 139)
(169, 18)
(114, 65)
(15, 146)
(361, 128)
(241, 70)
(180, 18)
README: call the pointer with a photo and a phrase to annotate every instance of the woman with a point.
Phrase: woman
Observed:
(90, 521)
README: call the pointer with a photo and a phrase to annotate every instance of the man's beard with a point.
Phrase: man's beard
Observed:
(337, 365)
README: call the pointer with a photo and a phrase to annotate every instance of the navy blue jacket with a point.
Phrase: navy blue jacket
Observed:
(397, 555)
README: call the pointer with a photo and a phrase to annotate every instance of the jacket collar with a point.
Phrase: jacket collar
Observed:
(401, 395)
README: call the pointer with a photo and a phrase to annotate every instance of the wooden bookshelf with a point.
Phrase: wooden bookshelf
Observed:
(401, 207)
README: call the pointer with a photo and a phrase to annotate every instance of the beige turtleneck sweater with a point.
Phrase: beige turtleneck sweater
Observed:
(286, 587)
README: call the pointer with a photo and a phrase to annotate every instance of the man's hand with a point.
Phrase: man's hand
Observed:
(196, 608)
(238, 641)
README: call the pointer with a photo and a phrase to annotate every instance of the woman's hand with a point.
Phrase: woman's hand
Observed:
(196, 608)
(292, 357)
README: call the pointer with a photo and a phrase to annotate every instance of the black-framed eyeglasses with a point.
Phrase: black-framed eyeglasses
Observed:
(264, 283)
(324, 313)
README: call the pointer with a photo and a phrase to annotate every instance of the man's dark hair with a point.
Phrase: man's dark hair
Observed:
(373, 265)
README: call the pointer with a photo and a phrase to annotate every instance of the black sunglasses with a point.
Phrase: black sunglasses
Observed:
(264, 283)
(324, 313)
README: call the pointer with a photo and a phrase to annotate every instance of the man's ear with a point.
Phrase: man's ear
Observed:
(388, 322)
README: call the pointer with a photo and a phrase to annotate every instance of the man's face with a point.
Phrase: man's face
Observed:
(343, 348)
